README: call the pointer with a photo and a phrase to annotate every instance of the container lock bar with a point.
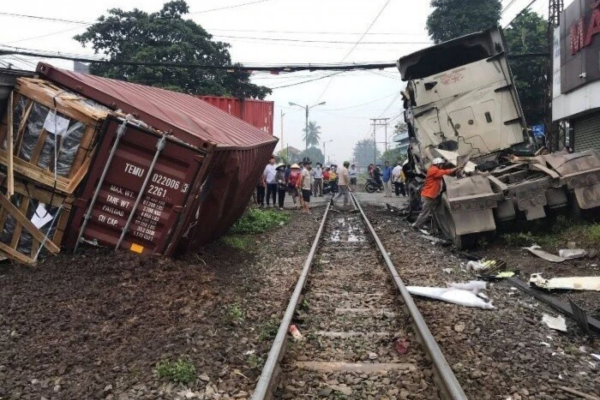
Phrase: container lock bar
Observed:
(113, 150)
(160, 145)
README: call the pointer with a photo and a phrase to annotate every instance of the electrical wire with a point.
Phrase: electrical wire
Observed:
(229, 7)
(508, 6)
(354, 47)
(68, 21)
(46, 35)
(318, 41)
(307, 81)
(317, 32)
(519, 14)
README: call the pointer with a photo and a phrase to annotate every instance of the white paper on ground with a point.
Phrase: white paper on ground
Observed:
(56, 124)
(570, 254)
(569, 283)
(537, 250)
(41, 217)
(450, 295)
(471, 286)
(556, 323)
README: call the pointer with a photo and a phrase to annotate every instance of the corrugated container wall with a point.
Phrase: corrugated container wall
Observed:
(258, 113)
(230, 155)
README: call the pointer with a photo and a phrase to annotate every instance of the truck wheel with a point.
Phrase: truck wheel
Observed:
(445, 222)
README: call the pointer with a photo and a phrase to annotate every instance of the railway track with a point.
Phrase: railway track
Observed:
(362, 335)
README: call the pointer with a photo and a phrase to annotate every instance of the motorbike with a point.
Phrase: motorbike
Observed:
(372, 186)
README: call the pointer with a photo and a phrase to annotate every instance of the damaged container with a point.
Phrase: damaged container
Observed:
(162, 198)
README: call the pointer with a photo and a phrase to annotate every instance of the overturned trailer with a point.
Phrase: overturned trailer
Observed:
(461, 104)
(85, 159)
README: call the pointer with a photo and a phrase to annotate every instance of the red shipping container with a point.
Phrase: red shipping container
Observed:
(258, 113)
(216, 157)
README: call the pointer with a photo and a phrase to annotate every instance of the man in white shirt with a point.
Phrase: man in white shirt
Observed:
(269, 174)
(343, 181)
(317, 174)
(397, 179)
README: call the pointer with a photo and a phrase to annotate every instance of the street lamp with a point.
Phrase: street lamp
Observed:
(324, 143)
(307, 107)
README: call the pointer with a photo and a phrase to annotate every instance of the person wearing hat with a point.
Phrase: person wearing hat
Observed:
(431, 189)
(306, 184)
(281, 184)
(292, 181)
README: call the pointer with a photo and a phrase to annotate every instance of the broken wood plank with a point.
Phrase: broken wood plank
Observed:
(16, 233)
(12, 253)
(10, 182)
(559, 305)
(23, 126)
(578, 393)
(28, 225)
(34, 157)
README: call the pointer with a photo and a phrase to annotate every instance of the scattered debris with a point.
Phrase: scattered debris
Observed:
(567, 283)
(471, 286)
(537, 250)
(451, 295)
(556, 323)
(295, 333)
(401, 345)
(596, 356)
(372, 356)
(580, 317)
(447, 270)
(570, 254)
(460, 327)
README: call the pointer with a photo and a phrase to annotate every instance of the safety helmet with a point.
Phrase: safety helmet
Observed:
(295, 166)
(438, 161)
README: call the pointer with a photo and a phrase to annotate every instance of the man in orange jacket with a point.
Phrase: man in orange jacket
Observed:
(431, 190)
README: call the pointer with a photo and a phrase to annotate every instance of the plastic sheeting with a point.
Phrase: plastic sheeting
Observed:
(68, 142)
(25, 242)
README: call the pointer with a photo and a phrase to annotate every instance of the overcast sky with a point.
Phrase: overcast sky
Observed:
(351, 98)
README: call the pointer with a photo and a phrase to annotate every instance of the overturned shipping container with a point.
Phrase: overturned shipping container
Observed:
(174, 176)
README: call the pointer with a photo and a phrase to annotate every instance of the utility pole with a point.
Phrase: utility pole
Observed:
(306, 109)
(375, 122)
(555, 7)
(282, 114)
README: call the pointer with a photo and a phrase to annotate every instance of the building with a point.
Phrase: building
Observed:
(576, 81)
(402, 141)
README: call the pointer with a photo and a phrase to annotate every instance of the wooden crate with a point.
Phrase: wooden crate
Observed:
(16, 221)
(31, 93)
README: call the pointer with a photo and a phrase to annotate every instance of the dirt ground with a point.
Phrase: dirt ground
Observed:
(507, 352)
(95, 325)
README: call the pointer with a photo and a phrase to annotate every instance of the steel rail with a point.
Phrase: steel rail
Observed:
(267, 378)
(445, 378)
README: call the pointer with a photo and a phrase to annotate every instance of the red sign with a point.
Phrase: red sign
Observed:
(580, 37)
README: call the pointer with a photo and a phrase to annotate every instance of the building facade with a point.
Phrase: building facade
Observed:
(576, 69)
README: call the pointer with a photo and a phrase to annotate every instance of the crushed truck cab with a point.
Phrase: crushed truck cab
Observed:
(461, 104)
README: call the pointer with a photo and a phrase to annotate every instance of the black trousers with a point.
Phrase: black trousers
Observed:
(281, 198)
(399, 188)
(260, 195)
(272, 191)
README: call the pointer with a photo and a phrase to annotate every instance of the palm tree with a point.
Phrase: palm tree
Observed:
(313, 136)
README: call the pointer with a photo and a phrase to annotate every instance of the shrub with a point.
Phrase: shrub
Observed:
(258, 221)
(180, 371)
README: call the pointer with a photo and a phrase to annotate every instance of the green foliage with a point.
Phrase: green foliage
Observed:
(235, 314)
(454, 18)
(180, 371)
(239, 242)
(257, 221)
(313, 137)
(254, 361)
(165, 36)
(315, 154)
(393, 156)
(365, 153)
(527, 34)
(268, 330)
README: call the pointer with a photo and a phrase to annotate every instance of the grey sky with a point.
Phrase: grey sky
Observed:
(352, 98)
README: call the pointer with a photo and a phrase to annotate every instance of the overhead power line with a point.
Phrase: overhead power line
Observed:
(318, 32)
(229, 7)
(318, 41)
(520, 13)
(68, 21)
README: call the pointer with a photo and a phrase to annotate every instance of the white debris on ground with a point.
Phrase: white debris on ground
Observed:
(464, 294)
(567, 283)
(556, 323)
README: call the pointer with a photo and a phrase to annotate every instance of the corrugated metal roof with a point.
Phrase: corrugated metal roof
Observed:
(188, 118)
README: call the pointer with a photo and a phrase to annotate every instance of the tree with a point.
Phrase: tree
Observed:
(165, 36)
(394, 155)
(365, 153)
(314, 134)
(314, 153)
(527, 34)
(454, 18)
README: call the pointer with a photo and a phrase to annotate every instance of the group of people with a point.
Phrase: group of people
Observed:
(388, 177)
(301, 181)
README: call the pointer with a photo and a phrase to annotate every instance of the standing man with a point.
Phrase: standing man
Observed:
(431, 190)
(387, 176)
(343, 181)
(305, 184)
(317, 174)
(397, 180)
(353, 174)
(269, 175)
